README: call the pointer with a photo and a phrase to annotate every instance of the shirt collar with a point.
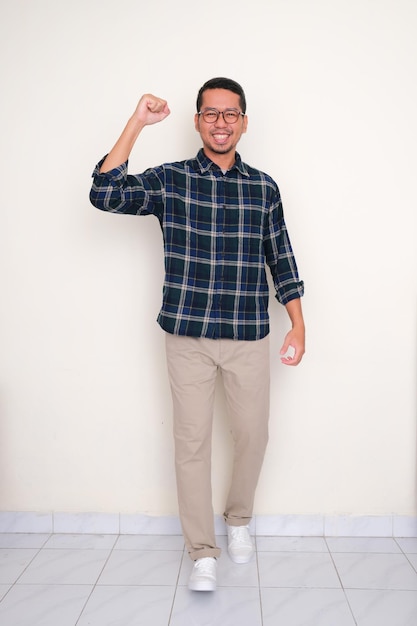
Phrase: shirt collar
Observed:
(205, 164)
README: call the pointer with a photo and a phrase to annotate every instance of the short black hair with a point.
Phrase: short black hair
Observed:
(222, 83)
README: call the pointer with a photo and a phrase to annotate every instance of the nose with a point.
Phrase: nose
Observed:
(221, 121)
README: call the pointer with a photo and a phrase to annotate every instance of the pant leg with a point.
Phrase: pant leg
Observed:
(245, 369)
(192, 373)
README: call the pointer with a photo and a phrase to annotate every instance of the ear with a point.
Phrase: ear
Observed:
(197, 122)
(245, 124)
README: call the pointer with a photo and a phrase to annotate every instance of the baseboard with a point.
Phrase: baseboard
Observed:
(273, 525)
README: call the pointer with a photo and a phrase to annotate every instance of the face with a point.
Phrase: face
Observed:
(220, 138)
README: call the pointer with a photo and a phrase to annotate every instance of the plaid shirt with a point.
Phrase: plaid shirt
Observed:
(219, 229)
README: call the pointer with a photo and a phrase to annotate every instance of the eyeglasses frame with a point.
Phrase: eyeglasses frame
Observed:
(221, 113)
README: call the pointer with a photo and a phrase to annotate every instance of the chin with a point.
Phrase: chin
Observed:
(222, 149)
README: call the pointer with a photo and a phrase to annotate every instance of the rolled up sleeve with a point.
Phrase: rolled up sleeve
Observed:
(116, 191)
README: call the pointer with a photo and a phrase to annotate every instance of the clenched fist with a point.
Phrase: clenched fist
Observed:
(151, 110)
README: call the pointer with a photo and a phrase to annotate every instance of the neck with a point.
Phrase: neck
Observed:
(224, 161)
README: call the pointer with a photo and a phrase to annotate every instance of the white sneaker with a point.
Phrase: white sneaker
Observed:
(203, 576)
(240, 546)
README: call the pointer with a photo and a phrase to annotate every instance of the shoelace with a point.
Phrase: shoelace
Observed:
(239, 533)
(204, 567)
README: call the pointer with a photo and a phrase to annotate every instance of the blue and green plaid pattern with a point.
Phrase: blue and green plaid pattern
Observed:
(219, 229)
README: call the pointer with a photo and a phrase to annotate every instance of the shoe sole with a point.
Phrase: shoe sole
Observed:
(202, 586)
(241, 559)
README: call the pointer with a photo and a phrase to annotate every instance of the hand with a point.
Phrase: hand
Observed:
(295, 339)
(151, 110)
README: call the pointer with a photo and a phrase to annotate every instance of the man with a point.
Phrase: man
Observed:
(221, 221)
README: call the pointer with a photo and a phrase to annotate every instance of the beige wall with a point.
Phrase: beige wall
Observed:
(84, 399)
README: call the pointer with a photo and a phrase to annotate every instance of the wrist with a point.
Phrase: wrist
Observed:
(135, 125)
(298, 324)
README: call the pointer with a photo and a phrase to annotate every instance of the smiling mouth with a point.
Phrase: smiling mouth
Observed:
(220, 138)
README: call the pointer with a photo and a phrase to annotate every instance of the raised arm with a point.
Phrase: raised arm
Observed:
(149, 110)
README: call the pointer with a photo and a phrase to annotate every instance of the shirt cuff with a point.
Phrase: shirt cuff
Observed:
(296, 290)
(116, 174)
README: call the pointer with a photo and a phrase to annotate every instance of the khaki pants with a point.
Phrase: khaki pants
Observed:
(193, 364)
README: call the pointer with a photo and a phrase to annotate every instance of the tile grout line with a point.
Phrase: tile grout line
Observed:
(412, 565)
(406, 554)
(94, 586)
(176, 587)
(259, 580)
(39, 550)
(15, 583)
(341, 582)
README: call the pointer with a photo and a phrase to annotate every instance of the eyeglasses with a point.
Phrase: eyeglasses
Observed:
(230, 116)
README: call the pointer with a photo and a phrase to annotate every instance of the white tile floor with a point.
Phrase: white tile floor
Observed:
(141, 580)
